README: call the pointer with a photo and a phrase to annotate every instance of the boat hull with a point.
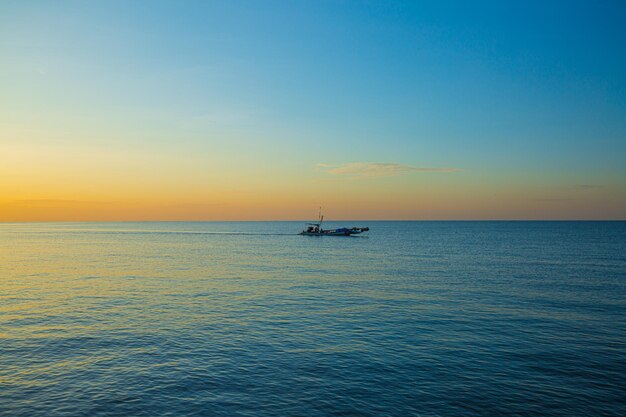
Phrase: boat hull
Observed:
(326, 234)
(340, 232)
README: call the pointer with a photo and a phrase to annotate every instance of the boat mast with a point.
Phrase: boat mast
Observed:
(321, 218)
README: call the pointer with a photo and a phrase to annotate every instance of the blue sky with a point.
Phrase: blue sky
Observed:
(533, 93)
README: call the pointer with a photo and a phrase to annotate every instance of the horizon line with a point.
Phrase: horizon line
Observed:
(308, 220)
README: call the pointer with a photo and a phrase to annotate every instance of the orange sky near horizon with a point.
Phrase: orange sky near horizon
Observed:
(63, 183)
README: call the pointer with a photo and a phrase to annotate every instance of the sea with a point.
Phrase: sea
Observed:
(422, 318)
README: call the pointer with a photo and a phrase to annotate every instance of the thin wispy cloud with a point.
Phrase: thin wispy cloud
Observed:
(55, 202)
(587, 186)
(555, 199)
(377, 169)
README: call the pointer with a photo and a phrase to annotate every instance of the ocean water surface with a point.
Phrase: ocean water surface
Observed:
(250, 319)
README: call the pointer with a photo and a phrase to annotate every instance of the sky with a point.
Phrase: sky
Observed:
(267, 110)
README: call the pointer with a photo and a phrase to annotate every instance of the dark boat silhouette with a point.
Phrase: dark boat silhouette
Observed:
(315, 229)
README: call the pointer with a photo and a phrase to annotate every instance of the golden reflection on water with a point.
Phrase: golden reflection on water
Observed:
(84, 282)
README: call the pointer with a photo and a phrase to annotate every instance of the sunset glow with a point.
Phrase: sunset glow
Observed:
(265, 111)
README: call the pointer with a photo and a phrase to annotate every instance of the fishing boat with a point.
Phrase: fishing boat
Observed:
(315, 229)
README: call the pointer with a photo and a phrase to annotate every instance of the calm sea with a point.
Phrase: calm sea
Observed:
(249, 319)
